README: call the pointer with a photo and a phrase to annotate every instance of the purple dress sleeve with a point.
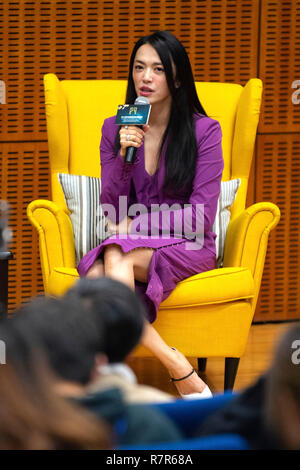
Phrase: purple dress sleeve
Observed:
(203, 199)
(115, 173)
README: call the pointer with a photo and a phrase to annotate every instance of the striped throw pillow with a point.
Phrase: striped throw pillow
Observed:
(82, 195)
(226, 199)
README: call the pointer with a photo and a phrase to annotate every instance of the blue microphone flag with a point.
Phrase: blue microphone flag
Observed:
(133, 114)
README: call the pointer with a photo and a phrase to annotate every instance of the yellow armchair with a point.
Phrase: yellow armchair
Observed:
(208, 314)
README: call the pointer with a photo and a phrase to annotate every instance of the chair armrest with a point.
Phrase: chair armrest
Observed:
(61, 279)
(56, 237)
(247, 238)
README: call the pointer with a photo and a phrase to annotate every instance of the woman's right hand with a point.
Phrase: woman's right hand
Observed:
(131, 136)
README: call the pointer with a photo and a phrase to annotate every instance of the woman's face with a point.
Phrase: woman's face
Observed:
(149, 76)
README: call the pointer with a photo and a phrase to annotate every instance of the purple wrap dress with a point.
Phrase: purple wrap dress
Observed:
(177, 226)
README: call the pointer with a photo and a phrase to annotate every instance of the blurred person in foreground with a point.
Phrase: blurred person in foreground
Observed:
(72, 337)
(123, 315)
(283, 391)
(267, 413)
(32, 415)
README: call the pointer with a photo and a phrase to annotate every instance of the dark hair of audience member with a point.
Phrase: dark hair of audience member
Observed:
(67, 333)
(283, 390)
(32, 415)
(118, 307)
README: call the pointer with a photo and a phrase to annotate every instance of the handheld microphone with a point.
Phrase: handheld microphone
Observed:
(131, 151)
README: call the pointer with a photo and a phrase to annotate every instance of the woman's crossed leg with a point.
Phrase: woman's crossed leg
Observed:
(126, 267)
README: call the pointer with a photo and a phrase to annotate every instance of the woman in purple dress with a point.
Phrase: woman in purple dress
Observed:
(162, 233)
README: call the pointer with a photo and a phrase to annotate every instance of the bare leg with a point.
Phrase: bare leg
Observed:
(126, 267)
(96, 270)
(176, 363)
(116, 267)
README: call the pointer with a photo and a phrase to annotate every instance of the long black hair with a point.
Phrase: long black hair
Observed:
(181, 151)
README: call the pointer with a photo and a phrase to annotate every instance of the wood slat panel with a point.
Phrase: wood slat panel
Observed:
(278, 180)
(226, 41)
(24, 177)
(93, 39)
(279, 65)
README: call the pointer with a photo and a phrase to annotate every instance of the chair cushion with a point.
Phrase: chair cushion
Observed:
(82, 195)
(219, 286)
(212, 287)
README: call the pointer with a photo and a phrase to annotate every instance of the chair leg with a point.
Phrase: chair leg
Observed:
(202, 364)
(231, 367)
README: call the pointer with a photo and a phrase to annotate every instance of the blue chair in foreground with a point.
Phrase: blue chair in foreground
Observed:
(188, 415)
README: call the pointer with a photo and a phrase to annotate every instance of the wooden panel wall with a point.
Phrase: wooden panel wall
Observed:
(277, 174)
(278, 180)
(227, 41)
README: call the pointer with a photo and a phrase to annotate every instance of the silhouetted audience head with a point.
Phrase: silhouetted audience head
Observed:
(32, 415)
(118, 307)
(283, 390)
(68, 334)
